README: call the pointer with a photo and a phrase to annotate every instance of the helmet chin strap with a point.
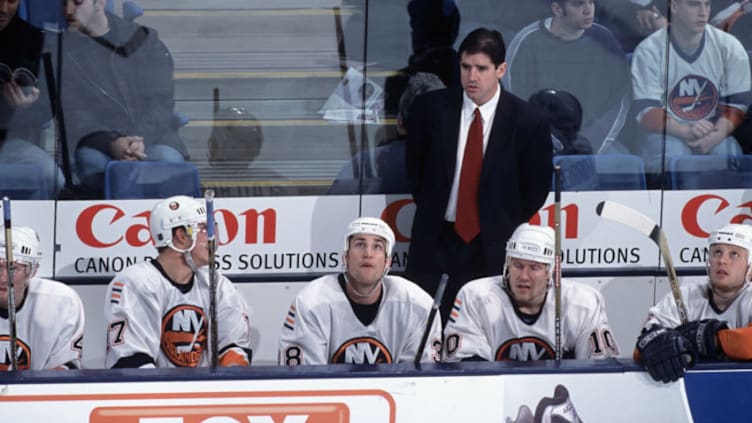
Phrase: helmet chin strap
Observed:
(186, 252)
(189, 261)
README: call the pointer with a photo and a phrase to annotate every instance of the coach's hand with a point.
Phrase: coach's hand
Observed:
(665, 353)
(703, 335)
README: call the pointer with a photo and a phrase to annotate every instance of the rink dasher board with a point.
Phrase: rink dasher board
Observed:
(266, 237)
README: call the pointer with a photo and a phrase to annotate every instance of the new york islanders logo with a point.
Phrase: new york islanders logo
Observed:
(365, 350)
(23, 354)
(524, 349)
(184, 335)
(694, 97)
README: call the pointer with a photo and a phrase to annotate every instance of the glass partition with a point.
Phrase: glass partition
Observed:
(311, 97)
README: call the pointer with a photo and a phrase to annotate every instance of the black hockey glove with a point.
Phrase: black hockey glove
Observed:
(665, 353)
(703, 335)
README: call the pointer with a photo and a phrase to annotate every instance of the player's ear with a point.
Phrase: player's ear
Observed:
(388, 265)
(182, 235)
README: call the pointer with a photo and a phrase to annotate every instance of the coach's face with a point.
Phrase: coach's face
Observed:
(727, 269)
(528, 281)
(480, 77)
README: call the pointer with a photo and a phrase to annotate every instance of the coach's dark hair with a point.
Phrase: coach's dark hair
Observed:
(487, 41)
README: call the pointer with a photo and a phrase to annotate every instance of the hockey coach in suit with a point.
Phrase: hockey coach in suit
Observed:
(470, 197)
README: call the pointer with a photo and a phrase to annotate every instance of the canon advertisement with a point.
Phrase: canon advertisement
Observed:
(303, 235)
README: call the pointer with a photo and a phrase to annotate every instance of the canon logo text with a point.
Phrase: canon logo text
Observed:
(106, 225)
(691, 211)
(570, 221)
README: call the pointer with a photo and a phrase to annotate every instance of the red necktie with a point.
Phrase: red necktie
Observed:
(467, 223)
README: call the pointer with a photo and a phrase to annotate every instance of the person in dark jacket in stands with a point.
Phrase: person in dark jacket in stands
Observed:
(23, 109)
(117, 93)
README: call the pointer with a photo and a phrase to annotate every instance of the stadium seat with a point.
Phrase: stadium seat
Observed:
(601, 172)
(48, 14)
(710, 172)
(135, 179)
(23, 181)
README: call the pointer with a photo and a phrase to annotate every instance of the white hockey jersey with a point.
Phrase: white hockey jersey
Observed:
(322, 328)
(696, 297)
(151, 321)
(49, 328)
(485, 323)
(718, 73)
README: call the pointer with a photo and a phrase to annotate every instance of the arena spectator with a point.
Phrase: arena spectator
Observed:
(117, 93)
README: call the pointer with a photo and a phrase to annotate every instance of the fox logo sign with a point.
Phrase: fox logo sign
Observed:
(334, 412)
(524, 349)
(23, 354)
(364, 350)
(184, 335)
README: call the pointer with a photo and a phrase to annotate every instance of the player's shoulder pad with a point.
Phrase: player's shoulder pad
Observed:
(402, 288)
(322, 287)
(482, 286)
(141, 276)
(53, 290)
(578, 294)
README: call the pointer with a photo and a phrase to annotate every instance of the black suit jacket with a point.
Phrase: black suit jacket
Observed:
(514, 183)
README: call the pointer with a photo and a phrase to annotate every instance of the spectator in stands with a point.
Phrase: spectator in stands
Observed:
(508, 16)
(565, 113)
(558, 51)
(433, 31)
(234, 143)
(238, 142)
(382, 170)
(631, 20)
(696, 106)
(117, 93)
(362, 315)
(719, 323)
(23, 109)
(49, 314)
(511, 316)
(157, 311)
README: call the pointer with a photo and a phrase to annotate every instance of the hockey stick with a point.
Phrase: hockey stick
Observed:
(212, 243)
(726, 18)
(557, 261)
(11, 287)
(432, 315)
(697, 97)
(638, 221)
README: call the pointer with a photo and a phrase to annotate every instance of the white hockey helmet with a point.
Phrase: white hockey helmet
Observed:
(175, 212)
(733, 234)
(532, 242)
(372, 226)
(25, 246)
